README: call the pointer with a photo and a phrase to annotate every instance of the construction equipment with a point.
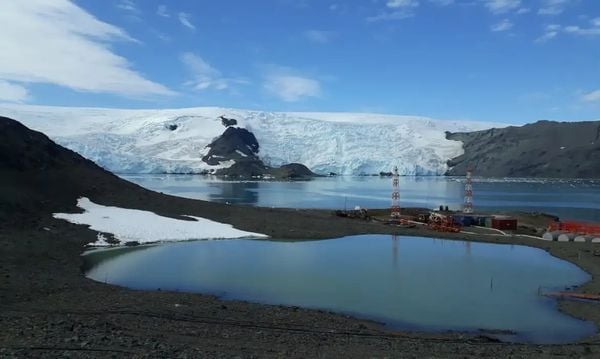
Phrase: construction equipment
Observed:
(442, 223)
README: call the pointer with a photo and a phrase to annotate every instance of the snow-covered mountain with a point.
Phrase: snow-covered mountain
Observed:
(174, 141)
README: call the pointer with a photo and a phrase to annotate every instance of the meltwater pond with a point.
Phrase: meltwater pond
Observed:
(408, 283)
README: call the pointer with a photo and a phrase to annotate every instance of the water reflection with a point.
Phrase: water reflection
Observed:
(235, 192)
(575, 199)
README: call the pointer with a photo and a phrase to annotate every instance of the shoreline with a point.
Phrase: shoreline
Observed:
(388, 327)
(70, 296)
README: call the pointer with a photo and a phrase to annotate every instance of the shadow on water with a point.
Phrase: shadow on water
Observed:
(96, 256)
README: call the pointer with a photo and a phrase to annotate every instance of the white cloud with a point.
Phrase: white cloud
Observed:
(205, 76)
(503, 25)
(593, 96)
(12, 93)
(593, 30)
(442, 2)
(396, 4)
(553, 7)
(391, 16)
(185, 20)
(502, 6)
(128, 5)
(57, 42)
(319, 36)
(130, 8)
(550, 32)
(285, 84)
(523, 10)
(401, 9)
(162, 11)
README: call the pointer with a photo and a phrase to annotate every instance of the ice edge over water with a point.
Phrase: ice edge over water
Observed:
(173, 141)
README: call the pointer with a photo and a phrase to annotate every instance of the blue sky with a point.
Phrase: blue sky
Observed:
(510, 61)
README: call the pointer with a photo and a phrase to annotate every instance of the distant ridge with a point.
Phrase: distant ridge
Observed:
(543, 149)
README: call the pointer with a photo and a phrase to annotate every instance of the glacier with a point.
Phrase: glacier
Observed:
(174, 140)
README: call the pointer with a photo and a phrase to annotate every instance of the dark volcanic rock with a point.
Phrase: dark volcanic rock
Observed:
(542, 149)
(292, 171)
(245, 169)
(37, 175)
(240, 145)
(257, 168)
(228, 121)
(236, 144)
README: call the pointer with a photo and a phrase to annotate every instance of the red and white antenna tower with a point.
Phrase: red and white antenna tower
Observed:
(395, 210)
(468, 208)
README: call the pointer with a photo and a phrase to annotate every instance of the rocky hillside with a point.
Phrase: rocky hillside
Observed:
(39, 176)
(543, 149)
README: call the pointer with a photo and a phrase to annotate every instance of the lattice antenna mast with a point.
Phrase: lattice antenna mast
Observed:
(395, 210)
(468, 206)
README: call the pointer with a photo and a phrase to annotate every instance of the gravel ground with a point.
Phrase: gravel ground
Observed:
(49, 309)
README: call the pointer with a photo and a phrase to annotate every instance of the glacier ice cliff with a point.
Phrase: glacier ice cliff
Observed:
(174, 141)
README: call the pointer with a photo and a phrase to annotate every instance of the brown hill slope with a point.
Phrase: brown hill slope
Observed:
(37, 176)
(543, 149)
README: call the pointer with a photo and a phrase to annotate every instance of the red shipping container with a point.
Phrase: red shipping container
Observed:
(504, 223)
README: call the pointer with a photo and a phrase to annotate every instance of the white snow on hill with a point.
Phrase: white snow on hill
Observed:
(143, 141)
(129, 225)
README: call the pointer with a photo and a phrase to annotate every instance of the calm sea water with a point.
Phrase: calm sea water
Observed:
(406, 282)
(568, 199)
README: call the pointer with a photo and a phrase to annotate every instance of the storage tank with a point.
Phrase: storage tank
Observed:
(566, 237)
(583, 238)
(552, 236)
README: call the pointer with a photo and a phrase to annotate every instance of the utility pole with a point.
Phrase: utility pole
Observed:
(468, 207)
(395, 209)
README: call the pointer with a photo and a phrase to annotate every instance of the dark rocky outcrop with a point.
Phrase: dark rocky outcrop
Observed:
(257, 169)
(241, 146)
(245, 169)
(227, 122)
(544, 149)
(236, 144)
(292, 171)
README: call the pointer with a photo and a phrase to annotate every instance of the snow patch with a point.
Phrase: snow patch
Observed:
(132, 225)
(241, 153)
